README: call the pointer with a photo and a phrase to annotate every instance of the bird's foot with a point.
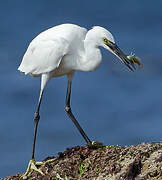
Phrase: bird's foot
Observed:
(32, 166)
(96, 145)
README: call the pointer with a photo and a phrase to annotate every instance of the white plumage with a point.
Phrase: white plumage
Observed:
(49, 48)
(64, 48)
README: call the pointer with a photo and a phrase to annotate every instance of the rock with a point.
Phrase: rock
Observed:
(99, 162)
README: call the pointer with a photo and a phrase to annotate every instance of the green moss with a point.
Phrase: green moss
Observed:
(82, 168)
(90, 163)
(98, 170)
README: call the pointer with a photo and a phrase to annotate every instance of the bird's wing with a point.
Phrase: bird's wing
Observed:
(43, 56)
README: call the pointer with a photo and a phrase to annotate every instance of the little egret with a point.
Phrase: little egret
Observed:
(61, 50)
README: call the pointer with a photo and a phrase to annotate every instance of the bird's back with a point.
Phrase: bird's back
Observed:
(66, 31)
(46, 50)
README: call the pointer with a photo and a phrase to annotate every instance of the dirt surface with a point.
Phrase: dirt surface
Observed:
(141, 162)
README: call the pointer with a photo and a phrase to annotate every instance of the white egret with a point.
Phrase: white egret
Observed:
(61, 50)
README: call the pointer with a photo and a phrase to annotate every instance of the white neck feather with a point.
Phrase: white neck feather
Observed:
(91, 57)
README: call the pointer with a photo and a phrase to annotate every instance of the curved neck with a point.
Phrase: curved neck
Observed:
(91, 57)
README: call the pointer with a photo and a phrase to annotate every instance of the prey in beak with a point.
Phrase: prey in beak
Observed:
(128, 60)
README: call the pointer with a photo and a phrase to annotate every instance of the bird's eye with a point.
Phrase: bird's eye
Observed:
(106, 41)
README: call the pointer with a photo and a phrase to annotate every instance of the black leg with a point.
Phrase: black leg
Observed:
(44, 80)
(32, 166)
(70, 114)
(36, 121)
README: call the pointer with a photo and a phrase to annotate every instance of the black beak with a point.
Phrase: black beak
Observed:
(123, 57)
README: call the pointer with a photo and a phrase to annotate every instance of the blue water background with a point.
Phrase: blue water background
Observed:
(114, 105)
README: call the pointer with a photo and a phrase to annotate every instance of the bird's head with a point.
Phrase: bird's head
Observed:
(105, 39)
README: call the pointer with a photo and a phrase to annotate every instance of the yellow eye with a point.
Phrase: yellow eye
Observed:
(106, 41)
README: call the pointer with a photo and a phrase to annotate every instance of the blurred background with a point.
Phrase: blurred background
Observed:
(113, 105)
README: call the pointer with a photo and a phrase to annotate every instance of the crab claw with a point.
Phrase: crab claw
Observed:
(134, 60)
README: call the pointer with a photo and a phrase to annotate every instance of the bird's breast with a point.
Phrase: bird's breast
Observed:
(66, 66)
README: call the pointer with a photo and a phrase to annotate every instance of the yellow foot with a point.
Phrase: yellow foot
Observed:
(96, 145)
(32, 166)
(49, 161)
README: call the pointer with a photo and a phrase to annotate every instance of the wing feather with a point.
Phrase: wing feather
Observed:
(43, 56)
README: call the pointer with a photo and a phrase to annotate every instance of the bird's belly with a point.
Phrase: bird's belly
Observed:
(61, 70)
